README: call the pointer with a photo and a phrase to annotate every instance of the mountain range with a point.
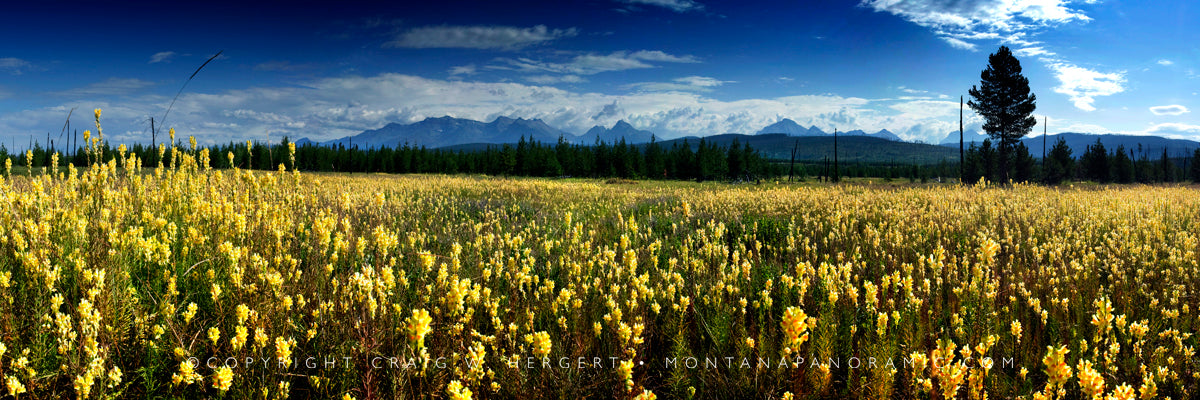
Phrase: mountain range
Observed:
(774, 141)
(968, 137)
(851, 149)
(620, 130)
(1151, 146)
(791, 128)
(449, 131)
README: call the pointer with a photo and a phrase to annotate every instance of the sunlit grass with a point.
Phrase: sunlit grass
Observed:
(380, 286)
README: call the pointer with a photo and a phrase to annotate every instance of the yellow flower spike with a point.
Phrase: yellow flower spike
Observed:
(239, 338)
(795, 324)
(14, 385)
(417, 326)
(457, 391)
(214, 335)
(645, 395)
(1149, 388)
(223, 378)
(625, 372)
(541, 344)
(283, 351)
(1057, 370)
(1090, 380)
(190, 312)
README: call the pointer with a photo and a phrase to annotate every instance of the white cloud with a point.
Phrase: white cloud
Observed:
(162, 56)
(701, 81)
(659, 56)
(1033, 52)
(684, 84)
(553, 79)
(330, 108)
(958, 43)
(679, 6)
(927, 109)
(1079, 128)
(1165, 62)
(964, 20)
(1175, 130)
(1173, 109)
(110, 87)
(478, 37)
(463, 70)
(976, 15)
(15, 65)
(590, 64)
(1083, 85)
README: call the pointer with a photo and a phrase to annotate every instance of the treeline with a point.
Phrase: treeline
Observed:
(1097, 164)
(533, 158)
(707, 161)
(680, 160)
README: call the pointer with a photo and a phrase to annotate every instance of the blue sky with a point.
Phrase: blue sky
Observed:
(675, 67)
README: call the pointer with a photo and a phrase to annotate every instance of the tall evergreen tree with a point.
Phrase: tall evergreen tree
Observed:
(1022, 170)
(987, 160)
(1166, 168)
(734, 160)
(1059, 163)
(1095, 163)
(971, 168)
(1122, 165)
(1005, 103)
(1195, 169)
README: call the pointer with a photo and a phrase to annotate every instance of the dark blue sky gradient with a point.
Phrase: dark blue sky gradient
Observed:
(325, 69)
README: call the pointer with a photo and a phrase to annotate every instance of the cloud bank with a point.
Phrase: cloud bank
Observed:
(962, 23)
(331, 108)
(1173, 109)
(478, 37)
(162, 56)
(679, 6)
(1082, 85)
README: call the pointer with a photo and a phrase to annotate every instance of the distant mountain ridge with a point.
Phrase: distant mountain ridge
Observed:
(1151, 146)
(791, 128)
(775, 139)
(620, 130)
(967, 137)
(852, 149)
(450, 131)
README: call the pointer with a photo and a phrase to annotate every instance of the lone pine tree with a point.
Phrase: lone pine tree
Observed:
(1005, 103)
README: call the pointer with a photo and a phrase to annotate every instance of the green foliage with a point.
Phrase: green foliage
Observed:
(1195, 169)
(1095, 163)
(1059, 163)
(1006, 104)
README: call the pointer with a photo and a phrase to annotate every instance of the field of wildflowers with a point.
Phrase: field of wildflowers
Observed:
(180, 281)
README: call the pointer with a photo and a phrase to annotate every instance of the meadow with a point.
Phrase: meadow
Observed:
(180, 281)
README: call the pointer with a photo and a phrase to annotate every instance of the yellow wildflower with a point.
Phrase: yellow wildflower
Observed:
(223, 378)
(418, 326)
